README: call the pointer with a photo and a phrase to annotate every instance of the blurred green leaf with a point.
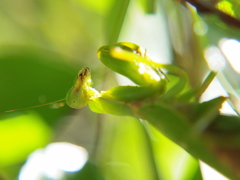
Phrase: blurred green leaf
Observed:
(149, 6)
(100, 7)
(90, 172)
(175, 162)
(114, 20)
(126, 153)
(21, 135)
(29, 77)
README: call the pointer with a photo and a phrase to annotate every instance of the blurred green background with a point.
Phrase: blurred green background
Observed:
(43, 45)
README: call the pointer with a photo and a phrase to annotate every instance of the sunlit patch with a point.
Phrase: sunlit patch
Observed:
(143, 69)
(53, 161)
(227, 109)
(226, 7)
(214, 58)
(200, 28)
(65, 156)
(231, 49)
(210, 173)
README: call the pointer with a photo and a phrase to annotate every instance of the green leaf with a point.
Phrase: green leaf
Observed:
(114, 20)
(20, 135)
(149, 6)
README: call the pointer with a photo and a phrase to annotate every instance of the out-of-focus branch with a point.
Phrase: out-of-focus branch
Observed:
(209, 7)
